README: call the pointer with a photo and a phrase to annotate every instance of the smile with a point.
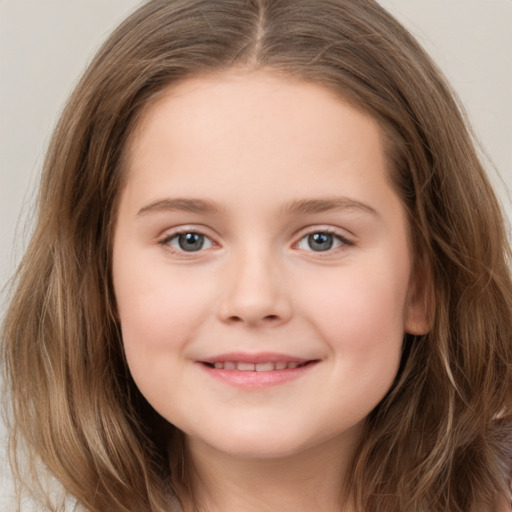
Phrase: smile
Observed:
(256, 367)
(257, 371)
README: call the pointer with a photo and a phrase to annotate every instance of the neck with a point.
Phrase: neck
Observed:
(310, 480)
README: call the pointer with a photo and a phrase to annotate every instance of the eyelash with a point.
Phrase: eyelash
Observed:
(166, 241)
(343, 242)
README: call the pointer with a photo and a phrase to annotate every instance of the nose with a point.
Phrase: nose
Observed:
(255, 293)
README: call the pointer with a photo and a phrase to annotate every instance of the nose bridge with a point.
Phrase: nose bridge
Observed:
(255, 290)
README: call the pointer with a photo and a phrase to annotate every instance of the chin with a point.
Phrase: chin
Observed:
(257, 442)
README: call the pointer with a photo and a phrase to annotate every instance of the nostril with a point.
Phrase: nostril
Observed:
(239, 319)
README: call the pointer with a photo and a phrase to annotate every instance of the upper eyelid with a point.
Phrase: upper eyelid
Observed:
(340, 232)
(180, 230)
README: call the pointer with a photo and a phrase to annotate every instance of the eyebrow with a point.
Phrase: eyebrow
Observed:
(305, 206)
(295, 207)
(180, 204)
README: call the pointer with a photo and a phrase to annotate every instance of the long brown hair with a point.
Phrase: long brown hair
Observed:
(441, 439)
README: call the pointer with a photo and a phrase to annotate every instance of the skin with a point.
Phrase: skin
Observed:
(264, 151)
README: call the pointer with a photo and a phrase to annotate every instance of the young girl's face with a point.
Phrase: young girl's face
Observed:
(261, 264)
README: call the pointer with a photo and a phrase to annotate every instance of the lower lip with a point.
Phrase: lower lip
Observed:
(258, 380)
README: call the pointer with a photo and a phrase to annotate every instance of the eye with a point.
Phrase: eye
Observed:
(188, 242)
(321, 241)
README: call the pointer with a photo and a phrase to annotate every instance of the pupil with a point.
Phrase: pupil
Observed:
(320, 241)
(191, 242)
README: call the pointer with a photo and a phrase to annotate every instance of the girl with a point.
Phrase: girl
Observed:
(268, 273)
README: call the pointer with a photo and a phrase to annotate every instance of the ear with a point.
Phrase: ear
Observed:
(419, 305)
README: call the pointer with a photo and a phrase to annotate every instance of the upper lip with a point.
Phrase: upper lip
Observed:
(261, 357)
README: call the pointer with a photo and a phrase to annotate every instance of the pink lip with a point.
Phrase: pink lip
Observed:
(250, 379)
(260, 357)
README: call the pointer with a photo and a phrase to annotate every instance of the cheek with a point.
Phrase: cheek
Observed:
(360, 316)
(158, 311)
(360, 310)
(159, 315)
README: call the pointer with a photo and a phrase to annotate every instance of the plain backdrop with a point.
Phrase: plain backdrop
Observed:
(46, 44)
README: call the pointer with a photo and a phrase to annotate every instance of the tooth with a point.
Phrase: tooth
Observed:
(259, 367)
(264, 367)
(245, 366)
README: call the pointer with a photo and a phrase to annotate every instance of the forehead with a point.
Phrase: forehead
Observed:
(266, 113)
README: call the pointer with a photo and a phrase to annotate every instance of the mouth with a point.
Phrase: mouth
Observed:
(257, 371)
(268, 366)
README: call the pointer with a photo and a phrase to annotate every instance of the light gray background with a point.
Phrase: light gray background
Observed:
(46, 44)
